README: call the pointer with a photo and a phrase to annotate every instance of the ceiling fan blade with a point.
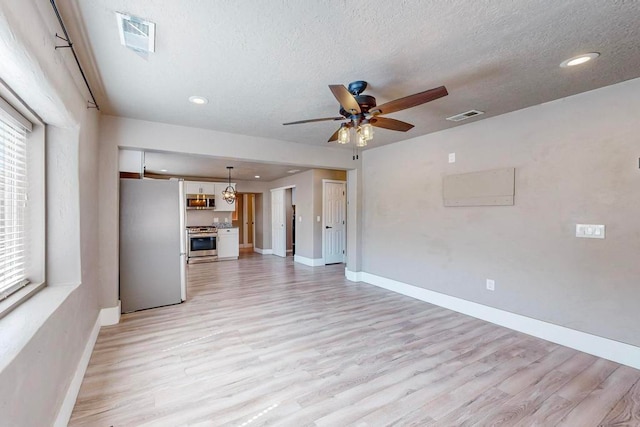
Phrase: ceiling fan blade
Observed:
(411, 100)
(393, 124)
(344, 97)
(334, 137)
(314, 120)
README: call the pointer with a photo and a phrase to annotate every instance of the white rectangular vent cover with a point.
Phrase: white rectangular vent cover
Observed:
(136, 33)
(464, 116)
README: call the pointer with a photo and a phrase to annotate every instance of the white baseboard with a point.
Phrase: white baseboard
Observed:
(111, 315)
(263, 251)
(64, 414)
(616, 351)
(353, 276)
(312, 262)
(289, 251)
(246, 245)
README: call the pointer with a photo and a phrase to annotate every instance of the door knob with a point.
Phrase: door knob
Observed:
(326, 226)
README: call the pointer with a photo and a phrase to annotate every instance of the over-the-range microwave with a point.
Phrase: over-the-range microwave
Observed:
(200, 201)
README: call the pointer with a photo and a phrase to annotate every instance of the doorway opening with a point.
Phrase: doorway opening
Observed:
(288, 202)
(244, 218)
(282, 231)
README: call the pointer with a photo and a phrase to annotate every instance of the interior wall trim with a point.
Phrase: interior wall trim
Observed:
(110, 315)
(64, 413)
(616, 351)
(263, 251)
(352, 276)
(311, 262)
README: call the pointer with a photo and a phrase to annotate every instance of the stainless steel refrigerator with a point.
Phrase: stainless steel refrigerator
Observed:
(152, 243)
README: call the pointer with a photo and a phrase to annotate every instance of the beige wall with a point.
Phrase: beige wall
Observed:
(576, 161)
(44, 338)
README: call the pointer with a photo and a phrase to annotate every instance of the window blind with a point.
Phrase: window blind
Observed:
(13, 206)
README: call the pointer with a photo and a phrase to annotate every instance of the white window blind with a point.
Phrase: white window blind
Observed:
(13, 204)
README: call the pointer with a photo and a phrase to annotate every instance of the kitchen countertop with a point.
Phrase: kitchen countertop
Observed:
(222, 225)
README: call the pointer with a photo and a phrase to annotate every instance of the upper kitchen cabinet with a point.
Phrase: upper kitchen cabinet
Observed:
(194, 187)
(221, 205)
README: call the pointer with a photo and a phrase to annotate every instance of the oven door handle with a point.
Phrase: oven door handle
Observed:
(202, 235)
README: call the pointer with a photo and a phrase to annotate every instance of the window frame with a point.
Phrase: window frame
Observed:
(14, 111)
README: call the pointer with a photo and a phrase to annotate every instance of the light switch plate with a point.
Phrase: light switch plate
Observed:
(318, 218)
(491, 285)
(452, 157)
(300, 218)
(590, 231)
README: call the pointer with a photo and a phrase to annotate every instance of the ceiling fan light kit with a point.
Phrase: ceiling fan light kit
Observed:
(366, 130)
(362, 142)
(229, 193)
(343, 134)
(362, 114)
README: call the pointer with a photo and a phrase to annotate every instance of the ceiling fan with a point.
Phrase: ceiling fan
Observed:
(361, 111)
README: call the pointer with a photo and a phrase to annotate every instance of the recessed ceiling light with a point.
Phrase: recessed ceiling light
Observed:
(163, 170)
(294, 170)
(257, 176)
(580, 59)
(199, 100)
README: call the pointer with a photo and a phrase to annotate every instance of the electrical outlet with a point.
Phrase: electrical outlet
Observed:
(452, 157)
(318, 218)
(491, 285)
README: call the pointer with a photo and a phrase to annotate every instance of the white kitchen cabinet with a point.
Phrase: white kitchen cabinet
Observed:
(196, 187)
(221, 205)
(228, 243)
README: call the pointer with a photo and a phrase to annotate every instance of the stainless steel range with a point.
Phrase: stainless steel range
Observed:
(202, 244)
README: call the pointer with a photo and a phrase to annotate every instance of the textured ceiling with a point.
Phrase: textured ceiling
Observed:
(263, 63)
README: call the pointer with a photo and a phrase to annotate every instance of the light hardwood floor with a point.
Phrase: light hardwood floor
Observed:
(264, 341)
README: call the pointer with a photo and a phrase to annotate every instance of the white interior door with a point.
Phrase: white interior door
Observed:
(278, 223)
(334, 224)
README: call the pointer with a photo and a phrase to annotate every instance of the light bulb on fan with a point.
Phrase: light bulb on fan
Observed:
(343, 134)
(366, 130)
(361, 141)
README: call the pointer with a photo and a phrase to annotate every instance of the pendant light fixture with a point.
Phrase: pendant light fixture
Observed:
(229, 193)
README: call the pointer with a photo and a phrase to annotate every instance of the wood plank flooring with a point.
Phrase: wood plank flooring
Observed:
(263, 341)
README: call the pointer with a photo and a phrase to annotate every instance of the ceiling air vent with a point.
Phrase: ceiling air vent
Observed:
(136, 33)
(464, 116)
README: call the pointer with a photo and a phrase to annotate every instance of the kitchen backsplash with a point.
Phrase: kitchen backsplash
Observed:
(206, 217)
